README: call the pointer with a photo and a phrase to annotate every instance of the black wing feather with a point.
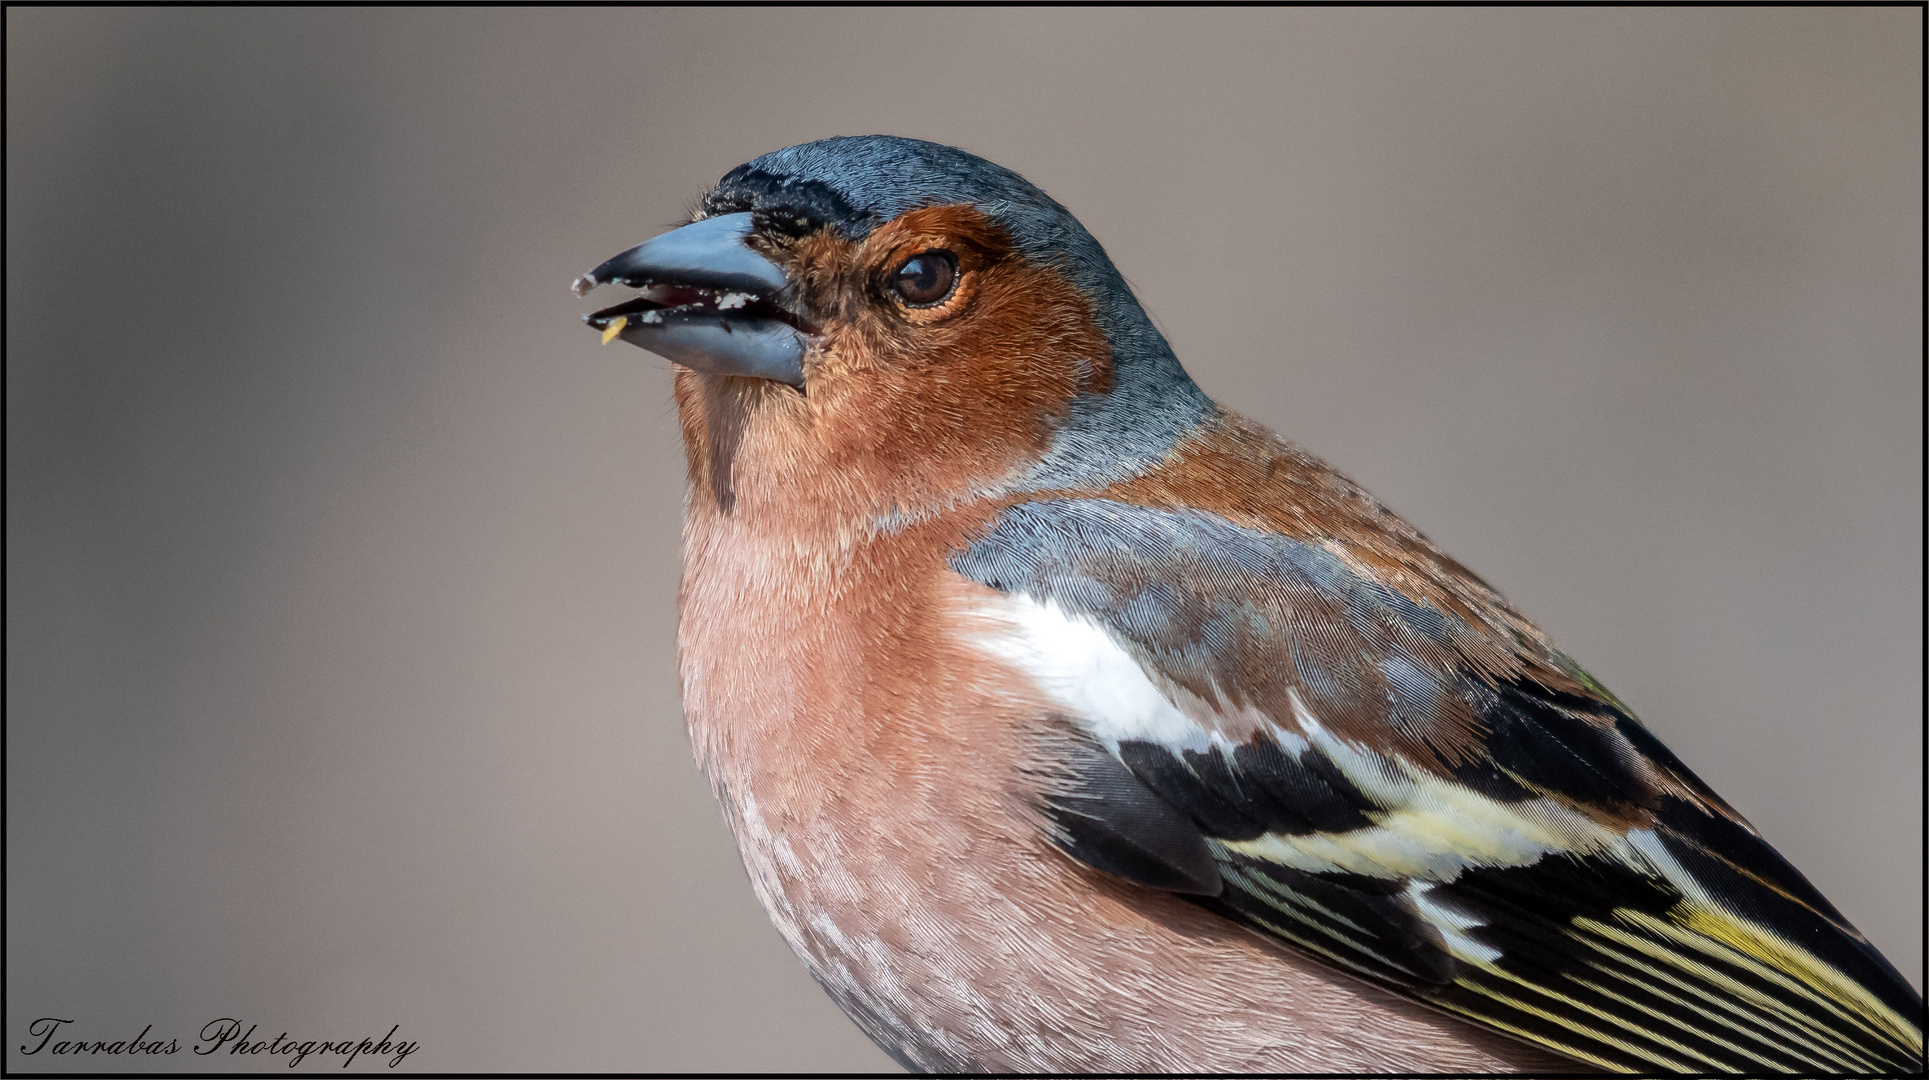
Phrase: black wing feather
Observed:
(1701, 951)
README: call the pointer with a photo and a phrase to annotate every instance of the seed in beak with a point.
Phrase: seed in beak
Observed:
(614, 328)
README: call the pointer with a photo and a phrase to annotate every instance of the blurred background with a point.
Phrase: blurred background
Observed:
(341, 560)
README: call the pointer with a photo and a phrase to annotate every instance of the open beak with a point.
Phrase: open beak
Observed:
(708, 302)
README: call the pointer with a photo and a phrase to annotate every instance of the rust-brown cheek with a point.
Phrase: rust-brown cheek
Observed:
(903, 408)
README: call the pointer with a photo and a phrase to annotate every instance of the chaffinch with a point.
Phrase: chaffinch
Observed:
(1068, 721)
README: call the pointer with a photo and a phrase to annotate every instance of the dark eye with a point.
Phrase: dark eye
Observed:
(925, 278)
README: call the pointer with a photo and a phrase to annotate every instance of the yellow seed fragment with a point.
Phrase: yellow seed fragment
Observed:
(614, 328)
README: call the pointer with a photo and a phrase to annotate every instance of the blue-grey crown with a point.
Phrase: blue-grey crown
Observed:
(858, 182)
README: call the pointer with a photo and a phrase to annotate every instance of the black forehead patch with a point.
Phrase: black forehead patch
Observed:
(786, 204)
(855, 183)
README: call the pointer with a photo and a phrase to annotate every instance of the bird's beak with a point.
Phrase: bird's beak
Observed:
(709, 302)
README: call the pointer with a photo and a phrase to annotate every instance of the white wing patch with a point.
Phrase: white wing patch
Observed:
(1691, 981)
(1081, 667)
(1429, 828)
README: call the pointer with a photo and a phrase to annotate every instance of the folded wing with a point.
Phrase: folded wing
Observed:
(1257, 722)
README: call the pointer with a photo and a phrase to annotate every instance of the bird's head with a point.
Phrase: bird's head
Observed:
(914, 319)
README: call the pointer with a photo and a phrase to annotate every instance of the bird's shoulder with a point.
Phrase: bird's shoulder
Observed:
(1246, 573)
(1280, 698)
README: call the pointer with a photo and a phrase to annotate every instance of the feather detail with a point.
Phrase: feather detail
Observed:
(1524, 855)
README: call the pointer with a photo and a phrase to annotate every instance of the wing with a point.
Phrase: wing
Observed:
(1258, 723)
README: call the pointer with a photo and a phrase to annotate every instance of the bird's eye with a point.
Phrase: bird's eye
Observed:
(926, 278)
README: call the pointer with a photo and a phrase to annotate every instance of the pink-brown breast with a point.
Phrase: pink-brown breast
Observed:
(873, 763)
(878, 767)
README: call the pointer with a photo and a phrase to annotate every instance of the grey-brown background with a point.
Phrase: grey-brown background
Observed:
(341, 560)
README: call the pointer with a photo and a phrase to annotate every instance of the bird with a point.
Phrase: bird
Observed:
(1067, 720)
